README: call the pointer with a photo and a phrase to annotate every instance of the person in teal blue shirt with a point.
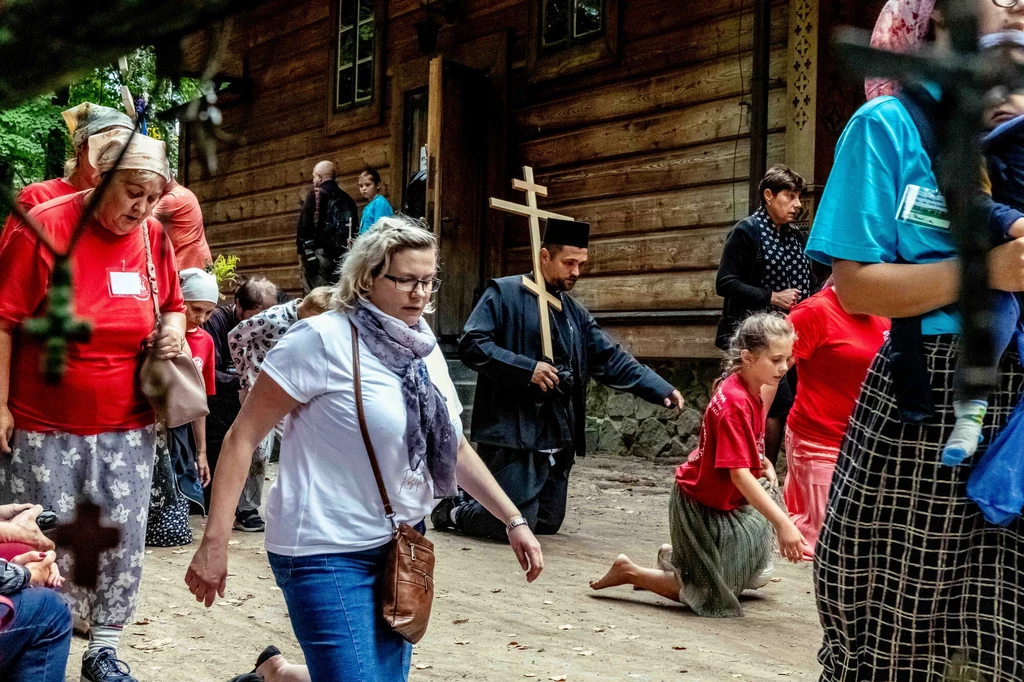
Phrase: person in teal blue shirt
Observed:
(904, 551)
(369, 187)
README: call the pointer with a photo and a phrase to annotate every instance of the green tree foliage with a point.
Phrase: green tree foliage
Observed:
(24, 134)
(25, 131)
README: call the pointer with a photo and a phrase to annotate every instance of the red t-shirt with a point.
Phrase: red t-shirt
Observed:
(833, 352)
(201, 344)
(99, 392)
(731, 437)
(183, 220)
(35, 194)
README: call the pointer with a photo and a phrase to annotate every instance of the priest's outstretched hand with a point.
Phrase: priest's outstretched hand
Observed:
(675, 400)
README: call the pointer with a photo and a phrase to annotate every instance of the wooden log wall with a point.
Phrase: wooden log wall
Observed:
(652, 150)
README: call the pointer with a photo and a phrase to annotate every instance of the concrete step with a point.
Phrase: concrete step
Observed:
(466, 391)
(459, 372)
(465, 386)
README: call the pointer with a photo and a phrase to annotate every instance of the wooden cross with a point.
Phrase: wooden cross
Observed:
(537, 284)
(86, 538)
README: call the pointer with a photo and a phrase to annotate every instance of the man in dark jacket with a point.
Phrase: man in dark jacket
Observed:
(325, 229)
(529, 414)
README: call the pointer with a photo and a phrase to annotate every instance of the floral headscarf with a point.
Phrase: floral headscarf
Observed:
(144, 153)
(901, 27)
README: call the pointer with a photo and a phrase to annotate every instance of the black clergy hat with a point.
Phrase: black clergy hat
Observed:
(567, 233)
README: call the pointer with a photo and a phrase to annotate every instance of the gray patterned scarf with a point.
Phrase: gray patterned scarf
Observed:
(428, 429)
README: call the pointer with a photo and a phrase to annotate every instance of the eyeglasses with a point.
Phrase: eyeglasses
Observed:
(410, 284)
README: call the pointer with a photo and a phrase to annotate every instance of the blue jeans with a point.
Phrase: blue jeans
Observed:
(334, 603)
(35, 646)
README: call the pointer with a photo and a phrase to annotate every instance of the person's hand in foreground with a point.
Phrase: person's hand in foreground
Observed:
(20, 526)
(207, 575)
(42, 566)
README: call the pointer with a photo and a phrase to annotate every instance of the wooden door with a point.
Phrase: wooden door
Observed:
(457, 144)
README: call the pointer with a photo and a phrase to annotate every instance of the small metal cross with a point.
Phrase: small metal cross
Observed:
(86, 538)
(535, 285)
(965, 77)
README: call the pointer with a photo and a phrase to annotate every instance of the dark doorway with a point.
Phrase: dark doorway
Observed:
(456, 186)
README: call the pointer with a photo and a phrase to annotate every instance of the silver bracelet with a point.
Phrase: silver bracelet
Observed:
(515, 523)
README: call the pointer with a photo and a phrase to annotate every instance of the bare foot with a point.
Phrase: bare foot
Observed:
(664, 561)
(618, 574)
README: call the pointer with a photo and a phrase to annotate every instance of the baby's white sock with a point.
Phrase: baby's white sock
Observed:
(963, 442)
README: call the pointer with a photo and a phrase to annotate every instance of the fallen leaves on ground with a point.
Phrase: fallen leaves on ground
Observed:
(151, 644)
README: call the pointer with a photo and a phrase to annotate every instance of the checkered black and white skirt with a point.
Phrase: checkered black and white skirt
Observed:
(911, 582)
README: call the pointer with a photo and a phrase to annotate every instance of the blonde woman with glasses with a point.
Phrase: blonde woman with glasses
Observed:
(327, 534)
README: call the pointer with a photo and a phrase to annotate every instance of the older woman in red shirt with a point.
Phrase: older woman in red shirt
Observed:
(833, 352)
(93, 435)
(83, 121)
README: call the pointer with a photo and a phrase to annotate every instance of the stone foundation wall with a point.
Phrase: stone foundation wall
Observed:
(621, 424)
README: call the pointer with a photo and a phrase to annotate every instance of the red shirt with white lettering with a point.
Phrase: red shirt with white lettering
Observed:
(833, 352)
(201, 344)
(731, 437)
(99, 391)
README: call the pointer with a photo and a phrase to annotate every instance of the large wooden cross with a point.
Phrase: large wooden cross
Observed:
(537, 284)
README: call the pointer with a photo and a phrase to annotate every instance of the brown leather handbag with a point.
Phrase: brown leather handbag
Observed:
(175, 388)
(408, 581)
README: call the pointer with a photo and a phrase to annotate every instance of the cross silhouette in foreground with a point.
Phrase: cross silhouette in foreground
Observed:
(58, 326)
(86, 538)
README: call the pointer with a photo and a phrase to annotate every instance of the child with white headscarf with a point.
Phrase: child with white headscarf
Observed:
(190, 470)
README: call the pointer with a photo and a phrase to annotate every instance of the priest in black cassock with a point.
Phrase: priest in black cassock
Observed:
(529, 415)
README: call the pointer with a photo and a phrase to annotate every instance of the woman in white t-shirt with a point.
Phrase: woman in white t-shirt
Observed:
(327, 534)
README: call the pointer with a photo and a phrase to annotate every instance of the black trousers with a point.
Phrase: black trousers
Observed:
(536, 486)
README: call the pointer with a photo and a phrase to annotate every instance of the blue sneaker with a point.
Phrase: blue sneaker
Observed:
(104, 666)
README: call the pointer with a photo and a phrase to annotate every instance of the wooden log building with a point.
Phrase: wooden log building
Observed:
(636, 114)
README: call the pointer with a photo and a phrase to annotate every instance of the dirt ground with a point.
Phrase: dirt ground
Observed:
(488, 623)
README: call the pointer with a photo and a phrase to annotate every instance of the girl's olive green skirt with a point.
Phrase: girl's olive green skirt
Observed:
(718, 554)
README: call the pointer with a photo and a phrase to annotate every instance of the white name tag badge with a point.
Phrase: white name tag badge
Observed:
(924, 207)
(126, 284)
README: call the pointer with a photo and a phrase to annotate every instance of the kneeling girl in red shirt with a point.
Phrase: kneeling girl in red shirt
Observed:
(721, 516)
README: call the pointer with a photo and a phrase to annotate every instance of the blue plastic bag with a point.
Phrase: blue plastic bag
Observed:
(996, 483)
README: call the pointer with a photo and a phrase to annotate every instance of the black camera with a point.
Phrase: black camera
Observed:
(309, 251)
(47, 520)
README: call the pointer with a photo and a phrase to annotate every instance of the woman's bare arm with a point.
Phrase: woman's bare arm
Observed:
(6, 420)
(904, 290)
(267, 405)
(896, 289)
(476, 479)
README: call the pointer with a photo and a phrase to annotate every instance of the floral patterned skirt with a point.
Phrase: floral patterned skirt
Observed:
(114, 470)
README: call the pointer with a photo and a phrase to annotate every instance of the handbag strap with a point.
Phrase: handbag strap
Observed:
(151, 271)
(388, 511)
